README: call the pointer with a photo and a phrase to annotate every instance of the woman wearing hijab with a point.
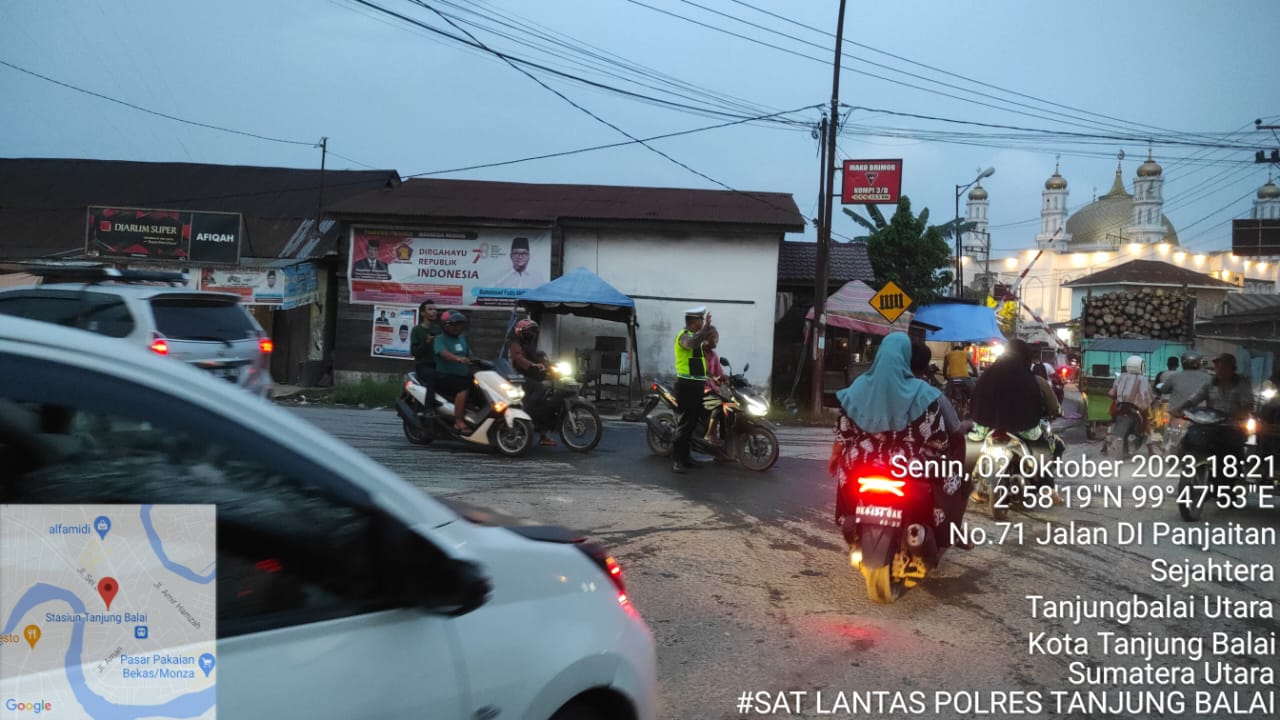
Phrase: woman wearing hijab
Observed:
(1007, 396)
(888, 413)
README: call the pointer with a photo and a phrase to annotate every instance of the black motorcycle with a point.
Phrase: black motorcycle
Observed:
(1221, 455)
(564, 409)
(745, 435)
(893, 535)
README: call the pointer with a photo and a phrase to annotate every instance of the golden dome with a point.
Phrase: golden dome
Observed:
(1055, 182)
(1103, 221)
(1269, 191)
(1150, 168)
(978, 193)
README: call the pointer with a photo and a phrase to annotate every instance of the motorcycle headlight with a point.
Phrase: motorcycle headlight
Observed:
(512, 392)
(563, 368)
(1268, 393)
(755, 407)
(1251, 426)
(997, 451)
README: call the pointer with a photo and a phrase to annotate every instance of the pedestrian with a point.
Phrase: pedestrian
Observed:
(422, 346)
(691, 379)
(890, 418)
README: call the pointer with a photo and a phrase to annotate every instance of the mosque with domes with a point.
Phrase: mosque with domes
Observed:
(1107, 233)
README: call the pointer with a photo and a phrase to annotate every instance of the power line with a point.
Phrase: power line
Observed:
(517, 66)
(607, 146)
(154, 112)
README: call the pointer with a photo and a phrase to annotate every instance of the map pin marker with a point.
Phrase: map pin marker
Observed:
(107, 588)
(32, 634)
(102, 524)
(207, 663)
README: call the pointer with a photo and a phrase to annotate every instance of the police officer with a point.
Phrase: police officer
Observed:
(691, 376)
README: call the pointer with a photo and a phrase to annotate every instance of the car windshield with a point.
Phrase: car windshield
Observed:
(201, 319)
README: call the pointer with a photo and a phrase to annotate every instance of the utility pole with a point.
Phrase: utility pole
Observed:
(824, 230)
(324, 151)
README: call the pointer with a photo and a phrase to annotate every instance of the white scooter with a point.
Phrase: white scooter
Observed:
(499, 422)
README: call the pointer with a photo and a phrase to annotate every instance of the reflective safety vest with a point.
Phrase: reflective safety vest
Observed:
(690, 364)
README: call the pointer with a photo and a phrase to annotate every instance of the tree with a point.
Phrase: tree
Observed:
(909, 251)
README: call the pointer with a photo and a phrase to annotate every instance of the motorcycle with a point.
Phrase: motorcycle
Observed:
(493, 415)
(1128, 421)
(745, 435)
(1205, 431)
(576, 418)
(959, 392)
(1011, 469)
(892, 534)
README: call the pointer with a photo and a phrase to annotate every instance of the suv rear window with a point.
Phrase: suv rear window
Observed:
(95, 312)
(201, 319)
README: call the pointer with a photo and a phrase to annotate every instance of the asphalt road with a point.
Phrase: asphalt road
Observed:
(745, 581)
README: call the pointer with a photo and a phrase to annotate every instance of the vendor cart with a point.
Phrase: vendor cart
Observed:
(1102, 364)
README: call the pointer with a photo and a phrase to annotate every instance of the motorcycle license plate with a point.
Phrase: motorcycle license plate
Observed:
(878, 515)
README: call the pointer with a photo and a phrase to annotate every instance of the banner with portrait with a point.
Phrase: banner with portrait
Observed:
(453, 268)
(285, 288)
(392, 325)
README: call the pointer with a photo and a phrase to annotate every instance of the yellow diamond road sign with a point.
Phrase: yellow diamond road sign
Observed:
(891, 301)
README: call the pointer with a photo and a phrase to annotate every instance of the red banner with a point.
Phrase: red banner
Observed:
(871, 181)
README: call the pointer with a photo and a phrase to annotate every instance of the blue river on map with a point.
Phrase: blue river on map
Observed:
(184, 706)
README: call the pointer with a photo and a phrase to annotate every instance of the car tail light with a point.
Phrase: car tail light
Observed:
(158, 344)
(1063, 371)
(609, 566)
(881, 485)
(265, 345)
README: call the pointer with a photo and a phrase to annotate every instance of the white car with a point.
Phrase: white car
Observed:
(209, 330)
(342, 590)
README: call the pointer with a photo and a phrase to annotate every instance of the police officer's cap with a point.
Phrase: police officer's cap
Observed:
(699, 311)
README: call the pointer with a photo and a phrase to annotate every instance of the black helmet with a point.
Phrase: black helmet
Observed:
(1191, 360)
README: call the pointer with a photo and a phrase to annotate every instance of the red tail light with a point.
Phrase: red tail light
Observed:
(654, 387)
(881, 485)
(265, 345)
(158, 345)
(999, 435)
(609, 565)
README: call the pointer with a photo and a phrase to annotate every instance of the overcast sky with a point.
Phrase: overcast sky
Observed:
(389, 94)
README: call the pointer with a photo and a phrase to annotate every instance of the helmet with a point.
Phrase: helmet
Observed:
(1191, 360)
(526, 329)
(453, 317)
(1135, 364)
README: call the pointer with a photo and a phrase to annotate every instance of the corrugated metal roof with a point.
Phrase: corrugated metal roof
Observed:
(43, 201)
(797, 262)
(1252, 302)
(485, 200)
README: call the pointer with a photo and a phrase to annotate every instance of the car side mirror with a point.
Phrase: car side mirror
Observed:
(471, 588)
(441, 584)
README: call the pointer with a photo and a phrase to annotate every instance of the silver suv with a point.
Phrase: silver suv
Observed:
(208, 330)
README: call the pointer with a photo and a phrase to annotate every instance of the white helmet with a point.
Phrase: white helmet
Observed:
(1135, 364)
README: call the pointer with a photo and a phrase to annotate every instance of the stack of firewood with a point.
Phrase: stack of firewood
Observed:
(1146, 313)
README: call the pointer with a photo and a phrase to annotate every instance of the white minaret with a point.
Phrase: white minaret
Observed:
(1053, 213)
(1147, 223)
(975, 212)
(1267, 204)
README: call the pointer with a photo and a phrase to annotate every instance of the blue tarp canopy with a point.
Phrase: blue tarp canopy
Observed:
(959, 322)
(580, 292)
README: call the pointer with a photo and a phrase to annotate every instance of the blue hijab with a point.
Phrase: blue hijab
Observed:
(888, 397)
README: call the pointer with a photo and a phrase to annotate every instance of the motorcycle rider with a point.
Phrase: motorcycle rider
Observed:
(888, 412)
(920, 357)
(1170, 369)
(691, 378)
(453, 365)
(1008, 398)
(1228, 392)
(1180, 386)
(1131, 388)
(1053, 408)
(523, 350)
(958, 365)
(715, 376)
(422, 346)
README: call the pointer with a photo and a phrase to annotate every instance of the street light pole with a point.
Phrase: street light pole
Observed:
(960, 191)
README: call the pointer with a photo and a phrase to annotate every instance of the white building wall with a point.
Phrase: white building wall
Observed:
(735, 276)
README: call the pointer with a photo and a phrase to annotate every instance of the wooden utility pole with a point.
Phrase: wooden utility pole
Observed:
(824, 230)
(324, 151)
